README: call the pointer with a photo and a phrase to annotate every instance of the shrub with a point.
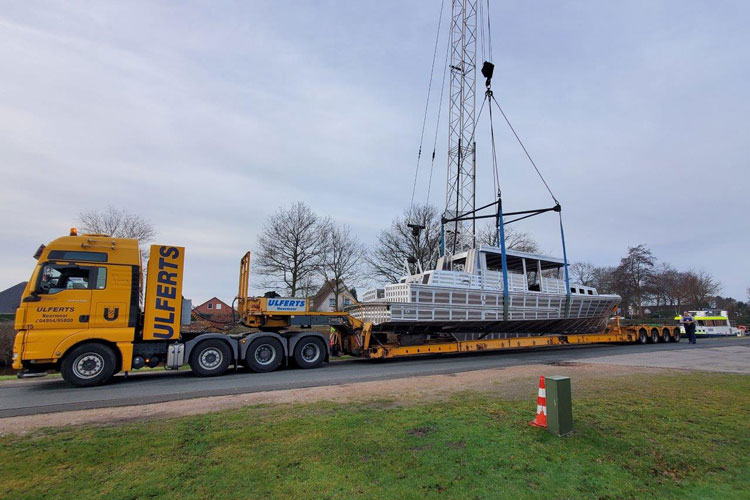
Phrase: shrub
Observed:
(6, 343)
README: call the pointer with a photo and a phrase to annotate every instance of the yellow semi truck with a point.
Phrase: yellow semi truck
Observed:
(81, 314)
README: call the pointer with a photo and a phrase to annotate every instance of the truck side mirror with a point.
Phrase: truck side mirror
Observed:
(34, 297)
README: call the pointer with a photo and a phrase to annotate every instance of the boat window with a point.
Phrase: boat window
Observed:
(425, 279)
(591, 292)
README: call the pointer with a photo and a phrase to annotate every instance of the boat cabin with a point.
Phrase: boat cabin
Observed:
(482, 268)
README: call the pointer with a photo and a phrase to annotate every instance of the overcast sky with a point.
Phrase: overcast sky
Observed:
(204, 117)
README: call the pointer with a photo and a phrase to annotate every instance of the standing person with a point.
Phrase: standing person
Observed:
(689, 323)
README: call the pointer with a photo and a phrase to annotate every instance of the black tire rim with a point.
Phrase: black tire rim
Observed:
(88, 365)
(265, 354)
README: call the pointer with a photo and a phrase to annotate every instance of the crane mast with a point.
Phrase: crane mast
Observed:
(461, 183)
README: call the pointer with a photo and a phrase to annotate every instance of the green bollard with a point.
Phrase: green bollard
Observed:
(559, 405)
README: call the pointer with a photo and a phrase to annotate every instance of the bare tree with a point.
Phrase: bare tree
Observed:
(604, 279)
(400, 242)
(583, 273)
(666, 286)
(290, 246)
(700, 286)
(514, 239)
(340, 258)
(118, 223)
(633, 275)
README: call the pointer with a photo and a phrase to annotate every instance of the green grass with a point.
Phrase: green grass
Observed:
(681, 437)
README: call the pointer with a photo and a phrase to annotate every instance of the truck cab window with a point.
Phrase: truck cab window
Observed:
(58, 277)
(101, 278)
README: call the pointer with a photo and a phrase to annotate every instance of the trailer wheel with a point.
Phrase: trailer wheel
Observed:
(264, 355)
(654, 336)
(642, 336)
(666, 335)
(88, 365)
(677, 335)
(210, 358)
(310, 352)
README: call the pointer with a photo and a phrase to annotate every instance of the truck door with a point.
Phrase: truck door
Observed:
(111, 297)
(64, 298)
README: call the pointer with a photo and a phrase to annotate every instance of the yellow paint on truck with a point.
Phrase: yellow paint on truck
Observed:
(163, 293)
(83, 288)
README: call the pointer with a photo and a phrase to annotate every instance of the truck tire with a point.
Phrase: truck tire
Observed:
(654, 336)
(88, 365)
(677, 335)
(642, 336)
(264, 355)
(210, 358)
(310, 352)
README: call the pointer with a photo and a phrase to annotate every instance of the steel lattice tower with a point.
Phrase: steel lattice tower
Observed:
(460, 197)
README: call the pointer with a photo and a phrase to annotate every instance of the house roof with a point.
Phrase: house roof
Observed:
(10, 299)
(212, 299)
(325, 290)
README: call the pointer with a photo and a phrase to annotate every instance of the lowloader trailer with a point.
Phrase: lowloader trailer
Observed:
(81, 314)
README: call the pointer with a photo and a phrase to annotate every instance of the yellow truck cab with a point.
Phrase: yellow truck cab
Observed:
(81, 313)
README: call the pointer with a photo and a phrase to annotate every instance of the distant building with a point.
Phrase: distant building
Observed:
(325, 299)
(214, 309)
(10, 299)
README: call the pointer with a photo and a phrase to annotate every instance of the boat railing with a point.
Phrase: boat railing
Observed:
(553, 285)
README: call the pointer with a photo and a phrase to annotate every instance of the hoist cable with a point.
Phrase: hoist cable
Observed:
(523, 147)
(427, 104)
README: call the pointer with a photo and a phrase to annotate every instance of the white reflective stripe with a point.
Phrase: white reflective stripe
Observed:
(542, 393)
(540, 409)
(544, 408)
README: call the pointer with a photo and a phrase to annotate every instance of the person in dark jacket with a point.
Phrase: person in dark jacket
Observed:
(689, 323)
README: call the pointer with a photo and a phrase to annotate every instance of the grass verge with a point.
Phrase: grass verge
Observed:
(667, 436)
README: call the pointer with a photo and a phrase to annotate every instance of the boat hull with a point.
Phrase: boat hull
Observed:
(470, 314)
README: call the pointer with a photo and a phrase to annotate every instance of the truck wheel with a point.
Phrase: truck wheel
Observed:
(264, 355)
(642, 336)
(310, 352)
(88, 365)
(654, 336)
(677, 335)
(210, 358)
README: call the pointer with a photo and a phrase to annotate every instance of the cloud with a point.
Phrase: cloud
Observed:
(205, 118)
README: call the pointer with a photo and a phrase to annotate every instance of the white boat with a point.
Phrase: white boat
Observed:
(464, 297)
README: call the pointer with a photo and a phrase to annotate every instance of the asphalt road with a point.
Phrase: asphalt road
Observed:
(46, 395)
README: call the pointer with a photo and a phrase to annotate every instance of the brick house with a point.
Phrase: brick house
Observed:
(215, 309)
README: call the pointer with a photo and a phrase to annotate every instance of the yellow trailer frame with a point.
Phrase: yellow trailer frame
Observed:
(614, 333)
(354, 337)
